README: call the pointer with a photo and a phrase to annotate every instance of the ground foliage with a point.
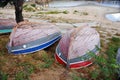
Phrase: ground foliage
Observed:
(22, 67)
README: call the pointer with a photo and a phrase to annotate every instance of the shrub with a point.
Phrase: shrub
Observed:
(33, 5)
(75, 11)
(84, 13)
(65, 12)
(106, 62)
(54, 12)
(3, 76)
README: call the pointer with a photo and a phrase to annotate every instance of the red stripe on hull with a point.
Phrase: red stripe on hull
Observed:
(59, 60)
(81, 64)
(74, 66)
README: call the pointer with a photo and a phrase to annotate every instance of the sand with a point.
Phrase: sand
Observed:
(80, 15)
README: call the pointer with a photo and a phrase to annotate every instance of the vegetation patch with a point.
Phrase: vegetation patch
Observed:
(46, 61)
(104, 66)
(107, 67)
(29, 8)
(75, 11)
(22, 67)
(53, 12)
(3, 76)
(84, 13)
(33, 5)
(25, 73)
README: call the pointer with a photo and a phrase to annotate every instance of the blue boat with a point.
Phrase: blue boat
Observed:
(29, 38)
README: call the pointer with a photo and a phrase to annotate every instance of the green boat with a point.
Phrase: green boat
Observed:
(5, 31)
(6, 25)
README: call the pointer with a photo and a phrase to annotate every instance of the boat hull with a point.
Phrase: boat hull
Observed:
(6, 25)
(76, 63)
(77, 47)
(31, 37)
(36, 45)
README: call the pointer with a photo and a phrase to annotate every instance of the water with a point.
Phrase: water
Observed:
(111, 4)
(113, 17)
(79, 3)
(66, 3)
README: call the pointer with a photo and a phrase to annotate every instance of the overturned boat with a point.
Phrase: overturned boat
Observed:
(6, 25)
(113, 17)
(118, 56)
(76, 47)
(29, 38)
(118, 60)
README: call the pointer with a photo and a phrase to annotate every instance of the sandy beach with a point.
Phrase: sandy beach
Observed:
(91, 15)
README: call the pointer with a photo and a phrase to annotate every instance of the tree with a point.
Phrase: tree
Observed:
(18, 8)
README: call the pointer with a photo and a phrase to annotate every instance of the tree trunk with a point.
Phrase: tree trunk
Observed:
(18, 10)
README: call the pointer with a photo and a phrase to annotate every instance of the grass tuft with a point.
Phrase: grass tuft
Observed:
(3, 76)
(54, 12)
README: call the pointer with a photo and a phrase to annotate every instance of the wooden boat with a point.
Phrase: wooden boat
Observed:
(113, 17)
(29, 38)
(118, 60)
(75, 47)
(118, 56)
(6, 25)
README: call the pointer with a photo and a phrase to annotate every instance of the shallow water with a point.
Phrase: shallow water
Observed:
(79, 3)
(66, 3)
(113, 17)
